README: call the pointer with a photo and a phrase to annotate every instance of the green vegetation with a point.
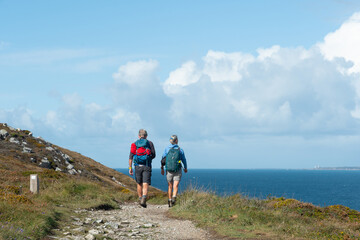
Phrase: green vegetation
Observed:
(274, 218)
(24, 215)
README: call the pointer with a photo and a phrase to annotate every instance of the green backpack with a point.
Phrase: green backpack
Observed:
(173, 162)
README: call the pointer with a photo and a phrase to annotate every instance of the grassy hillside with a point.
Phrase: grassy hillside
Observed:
(68, 181)
(275, 218)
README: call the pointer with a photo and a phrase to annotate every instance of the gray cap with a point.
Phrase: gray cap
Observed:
(173, 139)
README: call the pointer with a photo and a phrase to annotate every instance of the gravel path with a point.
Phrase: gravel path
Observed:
(129, 222)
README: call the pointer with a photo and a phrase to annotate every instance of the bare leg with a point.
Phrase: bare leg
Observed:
(139, 190)
(170, 189)
(145, 189)
(176, 187)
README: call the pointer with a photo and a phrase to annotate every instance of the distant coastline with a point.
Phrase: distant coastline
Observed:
(336, 168)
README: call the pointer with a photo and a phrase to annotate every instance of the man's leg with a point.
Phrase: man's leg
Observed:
(177, 178)
(139, 189)
(176, 187)
(145, 185)
(170, 189)
(139, 180)
(145, 188)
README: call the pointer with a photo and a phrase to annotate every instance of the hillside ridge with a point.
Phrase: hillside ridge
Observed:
(21, 151)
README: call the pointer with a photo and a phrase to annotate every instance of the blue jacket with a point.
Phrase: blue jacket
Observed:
(182, 154)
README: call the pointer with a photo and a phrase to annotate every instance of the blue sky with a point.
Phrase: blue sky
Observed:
(244, 84)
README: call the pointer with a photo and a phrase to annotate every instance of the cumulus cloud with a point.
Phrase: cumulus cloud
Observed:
(277, 90)
(20, 117)
(74, 117)
(344, 43)
(220, 66)
(291, 90)
(138, 89)
(181, 77)
(138, 73)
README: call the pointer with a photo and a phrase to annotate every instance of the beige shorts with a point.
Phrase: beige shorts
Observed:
(173, 176)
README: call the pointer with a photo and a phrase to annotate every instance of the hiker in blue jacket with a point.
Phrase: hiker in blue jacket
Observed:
(172, 158)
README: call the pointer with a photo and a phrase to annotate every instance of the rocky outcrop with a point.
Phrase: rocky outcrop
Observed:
(19, 147)
(36, 150)
(3, 134)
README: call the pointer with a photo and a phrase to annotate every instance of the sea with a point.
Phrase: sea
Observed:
(319, 187)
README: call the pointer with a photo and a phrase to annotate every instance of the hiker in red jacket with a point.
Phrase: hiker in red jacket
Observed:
(142, 153)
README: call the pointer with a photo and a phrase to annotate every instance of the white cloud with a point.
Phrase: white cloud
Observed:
(72, 100)
(344, 43)
(220, 66)
(127, 120)
(181, 77)
(276, 91)
(291, 90)
(247, 108)
(20, 117)
(138, 73)
(267, 52)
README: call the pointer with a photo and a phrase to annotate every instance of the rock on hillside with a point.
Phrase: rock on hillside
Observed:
(20, 150)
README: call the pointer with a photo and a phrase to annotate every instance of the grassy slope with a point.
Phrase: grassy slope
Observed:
(24, 215)
(277, 218)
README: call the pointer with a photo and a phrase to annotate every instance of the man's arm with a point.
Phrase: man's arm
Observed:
(131, 157)
(152, 149)
(183, 159)
(131, 172)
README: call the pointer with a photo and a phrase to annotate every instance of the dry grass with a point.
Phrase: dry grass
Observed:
(24, 215)
(278, 218)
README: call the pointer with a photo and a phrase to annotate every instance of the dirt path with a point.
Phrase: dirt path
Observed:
(129, 222)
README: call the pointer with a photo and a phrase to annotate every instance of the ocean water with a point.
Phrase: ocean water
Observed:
(320, 187)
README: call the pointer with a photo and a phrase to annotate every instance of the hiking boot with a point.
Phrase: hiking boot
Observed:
(173, 201)
(143, 202)
(170, 203)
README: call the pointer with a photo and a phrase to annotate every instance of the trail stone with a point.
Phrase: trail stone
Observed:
(99, 221)
(72, 171)
(27, 150)
(3, 134)
(132, 222)
(89, 237)
(79, 229)
(112, 225)
(148, 225)
(45, 163)
(14, 140)
(94, 231)
(49, 148)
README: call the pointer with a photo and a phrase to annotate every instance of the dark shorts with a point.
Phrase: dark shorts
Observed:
(143, 174)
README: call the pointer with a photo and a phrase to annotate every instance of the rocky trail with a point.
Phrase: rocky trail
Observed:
(129, 222)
